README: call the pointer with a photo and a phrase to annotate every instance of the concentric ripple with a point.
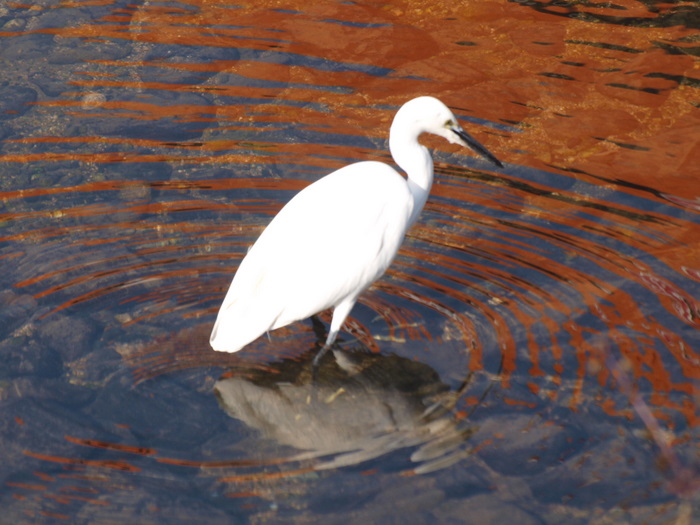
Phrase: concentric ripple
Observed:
(145, 145)
(502, 263)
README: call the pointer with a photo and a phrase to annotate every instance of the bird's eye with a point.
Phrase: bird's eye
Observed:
(449, 124)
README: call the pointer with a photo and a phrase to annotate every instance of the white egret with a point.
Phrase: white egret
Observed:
(338, 235)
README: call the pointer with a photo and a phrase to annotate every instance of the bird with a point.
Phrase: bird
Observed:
(338, 235)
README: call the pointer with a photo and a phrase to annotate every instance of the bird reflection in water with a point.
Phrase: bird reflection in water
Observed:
(360, 406)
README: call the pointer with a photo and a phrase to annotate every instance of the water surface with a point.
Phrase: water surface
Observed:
(532, 354)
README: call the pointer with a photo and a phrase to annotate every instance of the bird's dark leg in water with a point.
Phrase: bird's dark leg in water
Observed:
(320, 331)
(315, 365)
(319, 355)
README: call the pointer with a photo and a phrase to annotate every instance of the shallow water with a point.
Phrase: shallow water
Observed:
(532, 354)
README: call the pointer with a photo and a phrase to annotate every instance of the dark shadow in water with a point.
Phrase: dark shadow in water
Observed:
(658, 13)
(360, 406)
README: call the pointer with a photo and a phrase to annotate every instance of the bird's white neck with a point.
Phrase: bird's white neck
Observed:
(415, 160)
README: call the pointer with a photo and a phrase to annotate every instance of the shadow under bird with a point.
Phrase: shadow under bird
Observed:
(338, 235)
(372, 405)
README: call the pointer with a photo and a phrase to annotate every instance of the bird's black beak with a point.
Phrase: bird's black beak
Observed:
(472, 143)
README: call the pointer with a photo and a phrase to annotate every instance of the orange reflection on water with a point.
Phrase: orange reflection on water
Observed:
(109, 464)
(613, 112)
(616, 100)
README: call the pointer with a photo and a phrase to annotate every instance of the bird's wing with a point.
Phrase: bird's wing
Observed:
(332, 240)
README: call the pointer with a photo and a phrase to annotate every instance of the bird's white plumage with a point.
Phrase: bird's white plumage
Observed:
(335, 237)
(293, 267)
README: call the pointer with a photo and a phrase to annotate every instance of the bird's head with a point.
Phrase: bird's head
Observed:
(429, 115)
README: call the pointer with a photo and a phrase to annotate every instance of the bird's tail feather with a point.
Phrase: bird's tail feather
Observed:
(233, 330)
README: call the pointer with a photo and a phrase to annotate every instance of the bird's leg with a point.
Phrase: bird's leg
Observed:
(313, 397)
(319, 328)
(329, 342)
(339, 314)
(318, 356)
